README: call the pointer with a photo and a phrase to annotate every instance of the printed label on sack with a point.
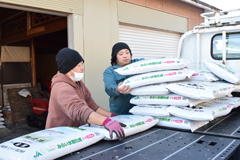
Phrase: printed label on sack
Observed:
(225, 68)
(221, 89)
(12, 148)
(167, 97)
(156, 63)
(158, 76)
(170, 120)
(74, 141)
(192, 85)
(127, 82)
(153, 76)
(140, 123)
(195, 74)
(155, 107)
(190, 109)
(48, 149)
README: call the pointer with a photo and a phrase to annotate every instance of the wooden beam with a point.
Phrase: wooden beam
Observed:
(50, 27)
(29, 21)
(33, 64)
(0, 32)
(36, 30)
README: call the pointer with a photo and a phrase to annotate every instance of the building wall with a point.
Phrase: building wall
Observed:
(76, 6)
(95, 29)
(100, 33)
(147, 17)
(175, 7)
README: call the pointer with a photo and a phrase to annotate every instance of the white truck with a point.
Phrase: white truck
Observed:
(218, 39)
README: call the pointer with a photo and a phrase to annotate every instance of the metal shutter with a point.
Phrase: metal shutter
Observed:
(147, 43)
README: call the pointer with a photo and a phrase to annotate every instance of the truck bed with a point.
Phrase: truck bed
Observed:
(220, 139)
(157, 143)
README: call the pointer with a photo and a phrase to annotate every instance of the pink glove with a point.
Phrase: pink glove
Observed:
(113, 114)
(114, 126)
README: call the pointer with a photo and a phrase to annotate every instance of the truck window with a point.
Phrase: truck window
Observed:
(232, 46)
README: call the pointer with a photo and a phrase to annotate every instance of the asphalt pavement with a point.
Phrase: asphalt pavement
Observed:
(14, 131)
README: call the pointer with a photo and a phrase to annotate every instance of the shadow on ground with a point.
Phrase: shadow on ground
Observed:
(15, 131)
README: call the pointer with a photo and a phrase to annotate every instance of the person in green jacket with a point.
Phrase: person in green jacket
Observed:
(119, 97)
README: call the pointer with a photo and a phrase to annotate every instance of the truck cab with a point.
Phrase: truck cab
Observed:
(218, 39)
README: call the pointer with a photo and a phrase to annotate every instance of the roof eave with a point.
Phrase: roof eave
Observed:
(202, 5)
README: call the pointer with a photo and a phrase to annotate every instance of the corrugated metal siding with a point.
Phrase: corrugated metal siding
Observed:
(73, 6)
(142, 16)
(149, 43)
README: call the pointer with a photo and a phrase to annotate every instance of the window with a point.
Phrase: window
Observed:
(232, 46)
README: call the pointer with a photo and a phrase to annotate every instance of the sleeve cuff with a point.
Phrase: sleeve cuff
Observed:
(115, 93)
(87, 114)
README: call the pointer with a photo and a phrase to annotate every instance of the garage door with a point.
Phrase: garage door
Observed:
(149, 43)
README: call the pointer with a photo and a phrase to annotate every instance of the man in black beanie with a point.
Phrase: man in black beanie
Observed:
(71, 103)
(119, 97)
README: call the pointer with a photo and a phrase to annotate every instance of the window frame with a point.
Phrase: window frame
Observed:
(211, 48)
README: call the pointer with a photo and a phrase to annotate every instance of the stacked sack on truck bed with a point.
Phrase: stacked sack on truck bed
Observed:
(166, 89)
(215, 96)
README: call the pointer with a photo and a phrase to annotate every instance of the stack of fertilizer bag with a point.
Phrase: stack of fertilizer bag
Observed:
(152, 96)
(1, 118)
(208, 100)
(157, 77)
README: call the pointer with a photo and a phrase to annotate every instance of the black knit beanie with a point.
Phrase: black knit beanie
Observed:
(67, 59)
(116, 48)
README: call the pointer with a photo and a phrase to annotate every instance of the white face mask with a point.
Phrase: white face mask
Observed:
(77, 77)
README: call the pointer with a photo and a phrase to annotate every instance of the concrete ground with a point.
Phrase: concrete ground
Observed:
(15, 131)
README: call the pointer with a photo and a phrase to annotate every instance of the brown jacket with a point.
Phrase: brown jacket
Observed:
(70, 103)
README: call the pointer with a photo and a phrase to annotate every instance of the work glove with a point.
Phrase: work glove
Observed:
(113, 114)
(114, 126)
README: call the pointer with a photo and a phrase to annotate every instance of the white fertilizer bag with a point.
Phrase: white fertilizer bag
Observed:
(218, 109)
(201, 90)
(180, 123)
(157, 77)
(171, 99)
(222, 71)
(1, 123)
(151, 90)
(1, 119)
(195, 114)
(150, 110)
(150, 65)
(134, 124)
(48, 144)
(205, 111)
(236, 87)
(233, 101)
(203, 76)
(2, 126)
